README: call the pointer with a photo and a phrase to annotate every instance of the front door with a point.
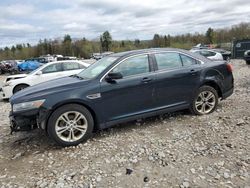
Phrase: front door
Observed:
(131, 95)
(49, 72)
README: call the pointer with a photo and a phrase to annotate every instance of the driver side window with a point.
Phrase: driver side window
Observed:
(133, 66)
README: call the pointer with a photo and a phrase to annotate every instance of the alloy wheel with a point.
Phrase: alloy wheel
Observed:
(71, 126)
(205, 102)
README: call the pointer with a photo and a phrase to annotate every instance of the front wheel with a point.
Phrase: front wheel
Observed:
(70, 125)
(205, 101)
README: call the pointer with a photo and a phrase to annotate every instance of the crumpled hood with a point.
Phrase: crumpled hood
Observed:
(46, 88)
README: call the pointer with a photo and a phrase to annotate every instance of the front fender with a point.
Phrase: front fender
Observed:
(45, 113)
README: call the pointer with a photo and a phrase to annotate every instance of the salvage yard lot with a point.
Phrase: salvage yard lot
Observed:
(172, 150)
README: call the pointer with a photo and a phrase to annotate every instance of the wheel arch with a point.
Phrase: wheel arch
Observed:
(214, 85)
(79, 102)
(19, 85)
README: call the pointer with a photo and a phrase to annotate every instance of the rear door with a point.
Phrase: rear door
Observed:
(177, 77)
(70, 68)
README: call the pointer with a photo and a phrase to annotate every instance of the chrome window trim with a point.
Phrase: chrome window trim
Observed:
(149, 53)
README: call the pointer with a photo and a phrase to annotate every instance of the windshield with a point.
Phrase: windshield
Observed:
(95, 69)
(38, 69)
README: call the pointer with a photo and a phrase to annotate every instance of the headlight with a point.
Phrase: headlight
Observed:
(7, 84)
(28, 105)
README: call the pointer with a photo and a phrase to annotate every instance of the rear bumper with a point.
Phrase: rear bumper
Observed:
(247, 58)
(227, 93)
(1, 93)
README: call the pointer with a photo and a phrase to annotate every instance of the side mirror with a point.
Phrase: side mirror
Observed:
(39, 73)
(112, 76)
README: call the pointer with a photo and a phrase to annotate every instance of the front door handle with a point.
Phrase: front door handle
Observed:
(146, 80)
(193, 72)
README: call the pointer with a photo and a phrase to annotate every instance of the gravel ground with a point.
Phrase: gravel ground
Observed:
(172, 150)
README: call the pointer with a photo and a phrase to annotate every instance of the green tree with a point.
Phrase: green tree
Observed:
(106, 41)
(166, 40)
(209, 35)
(122, 44)
(67, 46)
(156, 41)
(13, 50)
(19, 47)
(169, 41)
(137, 43)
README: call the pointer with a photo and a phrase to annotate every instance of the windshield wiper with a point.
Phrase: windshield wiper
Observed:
(77, 76)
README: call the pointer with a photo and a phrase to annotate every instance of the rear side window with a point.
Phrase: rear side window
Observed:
(168, 60)
(70, 66)
(207, 53)
(52, 68)
(133, 66)
(82, 66)
(187, 61)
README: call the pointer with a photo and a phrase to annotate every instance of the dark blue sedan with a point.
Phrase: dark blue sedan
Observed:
(122, 87)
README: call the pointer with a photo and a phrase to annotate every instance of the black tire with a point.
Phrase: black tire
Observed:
(194, 108)
(19, 88)
(55, 118)
(248, 62)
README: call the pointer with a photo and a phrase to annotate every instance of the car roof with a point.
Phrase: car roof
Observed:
(64, 61)
(155, 50)
(149, 50)
(55, 62)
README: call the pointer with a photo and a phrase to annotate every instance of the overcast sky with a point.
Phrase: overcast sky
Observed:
(29, 20)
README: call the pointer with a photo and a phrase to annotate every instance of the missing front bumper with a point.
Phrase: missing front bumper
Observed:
(26, 121)
(22, 124)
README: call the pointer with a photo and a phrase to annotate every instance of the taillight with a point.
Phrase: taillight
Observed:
(229, 67)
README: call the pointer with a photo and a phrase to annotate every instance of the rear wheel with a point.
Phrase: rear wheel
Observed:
(205, 101)
(19, 88)
(70, 125)
(248, 62)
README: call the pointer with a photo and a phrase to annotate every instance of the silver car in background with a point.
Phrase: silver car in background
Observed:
(208, 53)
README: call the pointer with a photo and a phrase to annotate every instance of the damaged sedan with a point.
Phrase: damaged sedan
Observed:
(122, 87)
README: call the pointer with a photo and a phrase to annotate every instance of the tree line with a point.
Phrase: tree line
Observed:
(84, 48)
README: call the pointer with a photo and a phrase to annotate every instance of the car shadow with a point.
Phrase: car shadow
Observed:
(38, 141)
(140, 123)
(28, 142)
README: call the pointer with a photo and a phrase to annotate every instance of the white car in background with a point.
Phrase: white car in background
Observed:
(210, 54)
(49, 71)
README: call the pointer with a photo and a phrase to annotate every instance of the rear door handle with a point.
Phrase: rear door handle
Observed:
(146, 80)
